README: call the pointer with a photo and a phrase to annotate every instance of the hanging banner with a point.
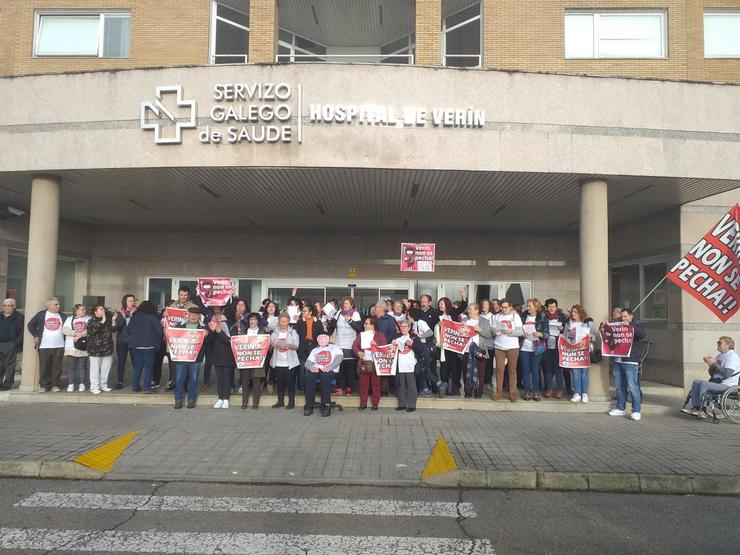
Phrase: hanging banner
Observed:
(574, 355)
(215, 291)
(710, 271)
(454, 336)
(173, 317)
(616, 339)
(384, 357)
(184, 344)
(250, 350)
(418, 257)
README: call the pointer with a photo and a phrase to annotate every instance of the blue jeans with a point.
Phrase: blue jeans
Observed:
(186, 373)
(625, 377)
(552, 366)
(143, 363)
(580, 380)
(700, 387)
(531, 370)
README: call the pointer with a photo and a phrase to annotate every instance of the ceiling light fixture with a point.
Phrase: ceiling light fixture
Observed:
(380, 13)
(132, 201)
(315, 17)
(208, 190)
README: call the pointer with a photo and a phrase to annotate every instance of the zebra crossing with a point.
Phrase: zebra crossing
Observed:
(148, 540)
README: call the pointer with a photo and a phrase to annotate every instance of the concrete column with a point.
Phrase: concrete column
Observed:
(428, 33)
(594, 251)
(263, 31)
(43, 234)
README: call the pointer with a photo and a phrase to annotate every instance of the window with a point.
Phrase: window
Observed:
(229, 35)
(722, 34)
(615, 34)
(631, 283)
(399, 51)
(105, 35)
(295, 48)
(461, 34)
(64, 283)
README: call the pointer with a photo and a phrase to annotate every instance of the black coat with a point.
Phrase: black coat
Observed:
(301, 329)
(220, 354)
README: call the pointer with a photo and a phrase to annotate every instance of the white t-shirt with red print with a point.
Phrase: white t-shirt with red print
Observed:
(52, 337)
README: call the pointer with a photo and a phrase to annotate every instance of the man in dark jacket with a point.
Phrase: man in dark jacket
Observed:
(11, 342)
(625, 370)
(46, 328)
(186, 373)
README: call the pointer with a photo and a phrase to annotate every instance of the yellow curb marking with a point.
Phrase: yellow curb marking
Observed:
(104, 457)
(440, 461)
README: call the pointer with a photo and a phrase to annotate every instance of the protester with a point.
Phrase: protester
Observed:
(578, 326)
(251, 378)
(284, 343)
(75, 347)
(162, 352)
(46, 329)
(556, 322)
(369, 377)
(449, 361)
(625, 369)
(428, 314)
(507, 327)
(474, 359)
(269, 321)
(485, 312)
(428, 377)
(398, 312)
(123, 350)
(221, 355)
(385, 323)
(322, 364)
(348, 324)
(100, 348)
(408, 350)
(145, 335)
(532, 348)
(186, 373)
(11, 342)
(724, 371)
(183, 299)
(308, 327)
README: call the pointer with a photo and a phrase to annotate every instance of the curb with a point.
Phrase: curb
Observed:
(67, 470)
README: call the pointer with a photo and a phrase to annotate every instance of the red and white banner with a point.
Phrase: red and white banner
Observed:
(616, 339)
(454, 336)
(250, 350)
(215, 291)
(418, 257)
(384, 357)
(173, 317)
(574, 355)
(710, 271)
(184, 344)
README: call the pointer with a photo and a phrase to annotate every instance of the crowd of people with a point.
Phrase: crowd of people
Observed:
(511, 348)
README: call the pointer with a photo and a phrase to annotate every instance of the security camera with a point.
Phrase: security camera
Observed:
(7, 212)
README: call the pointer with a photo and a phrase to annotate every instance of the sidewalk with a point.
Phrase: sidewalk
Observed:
(497, 449)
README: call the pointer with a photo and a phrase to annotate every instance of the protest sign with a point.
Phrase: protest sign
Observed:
(616, 339)
(184, 344)
(574, 355)
(418, 257)
(384, 357)
(454, 335)
(174, 317)
(250, 350)
(710, 271)
(215, 291)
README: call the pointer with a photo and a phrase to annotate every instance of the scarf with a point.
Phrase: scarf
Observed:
(309, 328)
(347, 312)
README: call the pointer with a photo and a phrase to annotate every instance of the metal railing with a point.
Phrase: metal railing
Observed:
(343, 58)
(471, 57)
(232, 58)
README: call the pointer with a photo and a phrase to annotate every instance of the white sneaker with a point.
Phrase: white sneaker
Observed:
(616, 412)
(576, 398)
(55, 389)
(635, 416)
(82, 387)
(95, 391)
(106, 388)
(70, 388)
(225, 404)
(584, 398)
(219, 404)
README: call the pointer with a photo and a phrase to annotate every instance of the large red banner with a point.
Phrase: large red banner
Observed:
(184, 344)
(616, 339)
(418, 257)
(250, 350)
(454, 335)
(574, 355)
(384, 357)
(173, 317)
(215, 291)
(710, 271)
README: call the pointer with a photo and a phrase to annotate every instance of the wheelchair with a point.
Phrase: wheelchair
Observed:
(722, 405)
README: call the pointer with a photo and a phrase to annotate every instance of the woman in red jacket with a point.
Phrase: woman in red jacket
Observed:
(362, 350)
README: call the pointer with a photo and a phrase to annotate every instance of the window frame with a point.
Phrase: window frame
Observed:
(596, 15)
(445, 30)
(304, 55)
(717, 11)
(100, 14)
(212, 39)
(641, 263)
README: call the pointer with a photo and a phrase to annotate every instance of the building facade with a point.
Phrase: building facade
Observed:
(573, 149)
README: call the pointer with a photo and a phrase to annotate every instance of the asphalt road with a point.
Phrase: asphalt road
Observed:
(136, 517)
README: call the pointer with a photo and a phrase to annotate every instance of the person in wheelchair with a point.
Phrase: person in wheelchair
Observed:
(724, 369)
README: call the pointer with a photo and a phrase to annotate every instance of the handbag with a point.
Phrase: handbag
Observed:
(596, 356)
(367, 368)
(81, 342)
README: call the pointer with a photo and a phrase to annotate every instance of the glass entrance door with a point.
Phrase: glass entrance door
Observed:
(365, 293)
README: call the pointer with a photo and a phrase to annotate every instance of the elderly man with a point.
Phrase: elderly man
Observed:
(724, 369)
(46, 328)
(11, 342)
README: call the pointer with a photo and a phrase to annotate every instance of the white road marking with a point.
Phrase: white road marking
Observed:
(365, 507)
(153, 541)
